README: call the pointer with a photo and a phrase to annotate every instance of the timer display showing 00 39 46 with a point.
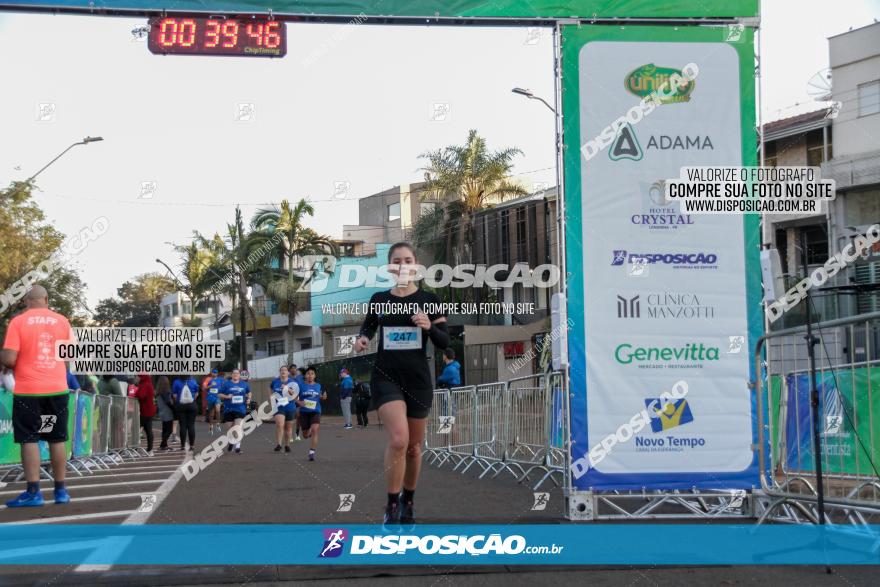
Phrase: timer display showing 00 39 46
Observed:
(217, 36)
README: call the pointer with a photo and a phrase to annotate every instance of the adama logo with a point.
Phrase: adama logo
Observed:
(334, 542)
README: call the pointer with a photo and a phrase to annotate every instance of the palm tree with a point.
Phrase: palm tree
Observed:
(468, 178)
(283, 275)
(195, 268)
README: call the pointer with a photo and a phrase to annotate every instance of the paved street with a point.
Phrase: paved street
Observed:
(261, 486)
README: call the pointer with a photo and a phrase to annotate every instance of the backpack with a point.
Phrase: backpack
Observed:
(186, 396)
(362, 390)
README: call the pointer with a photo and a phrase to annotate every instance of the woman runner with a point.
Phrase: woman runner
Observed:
(236, 395)
(401, 382)
(309, 402)
(285, 391)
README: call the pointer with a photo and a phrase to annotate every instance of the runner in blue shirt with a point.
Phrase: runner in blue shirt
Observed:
(214, 387)
(284, 392)
(309, 402)
(236, 394)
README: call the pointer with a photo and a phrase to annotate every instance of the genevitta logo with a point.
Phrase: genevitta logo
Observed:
(334, 542)
(665, 305)
(675, 260)
(687, 356)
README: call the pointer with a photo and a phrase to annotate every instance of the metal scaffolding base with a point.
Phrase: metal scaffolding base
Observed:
(656, 505)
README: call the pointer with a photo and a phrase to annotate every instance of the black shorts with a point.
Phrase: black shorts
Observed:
(36, 418)
(233, 416)
(418, 401)
(306, 419)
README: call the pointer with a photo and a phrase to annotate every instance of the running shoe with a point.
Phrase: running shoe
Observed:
(229, 448)
(392, 515)
(26, 500)
(150, 453)
(347, 427)
(286, 449)
(407, 514)
(278, 448)
(311, 455)
(238, 451)
(61, 496)
(298, 437)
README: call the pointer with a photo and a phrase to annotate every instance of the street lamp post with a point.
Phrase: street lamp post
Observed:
(85, 141)
(528, 94)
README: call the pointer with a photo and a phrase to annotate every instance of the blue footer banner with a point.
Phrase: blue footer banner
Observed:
(605, 544)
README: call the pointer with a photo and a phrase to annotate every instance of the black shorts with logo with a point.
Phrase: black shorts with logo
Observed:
(42, 417)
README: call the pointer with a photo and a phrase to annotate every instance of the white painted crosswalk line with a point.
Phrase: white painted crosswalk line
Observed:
(74, 518)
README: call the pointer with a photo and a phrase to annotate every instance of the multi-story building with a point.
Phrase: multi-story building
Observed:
(387, 217)
(853, 120)
(521, 235)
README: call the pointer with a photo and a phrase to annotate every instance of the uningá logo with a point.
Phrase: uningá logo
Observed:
(647, 79)
(668, 415)
(334, 542)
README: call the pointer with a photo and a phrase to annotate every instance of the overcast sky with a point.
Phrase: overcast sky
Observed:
(348, 105)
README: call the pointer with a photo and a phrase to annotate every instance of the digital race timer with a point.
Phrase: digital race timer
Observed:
(217, 36)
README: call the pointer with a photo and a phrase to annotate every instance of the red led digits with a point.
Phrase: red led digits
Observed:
(256, 32)
(217, 36)
(212, 35)
(230, 31)
(187, 33)
(167, 37)
(273, 38)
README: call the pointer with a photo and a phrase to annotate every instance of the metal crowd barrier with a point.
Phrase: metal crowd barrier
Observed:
(847, 360)
(515, 426)
(102, 431)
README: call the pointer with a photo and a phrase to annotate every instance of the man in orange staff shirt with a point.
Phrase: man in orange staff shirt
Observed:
(39, 404)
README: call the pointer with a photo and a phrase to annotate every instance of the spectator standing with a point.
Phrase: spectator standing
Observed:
(185, 394)
(346, 388)
(165, 407)
(362, 402)
(451, 375)
(40, 396)
(146, 397)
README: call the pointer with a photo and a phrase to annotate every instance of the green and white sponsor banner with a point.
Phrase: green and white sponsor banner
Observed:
(493, 9)
(658, 297)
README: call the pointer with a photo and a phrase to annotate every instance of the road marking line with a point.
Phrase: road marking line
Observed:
(69, 485)
(138, 517)
(70, 518)
(94, 498)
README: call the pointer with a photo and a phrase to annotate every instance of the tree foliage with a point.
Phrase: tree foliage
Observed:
(137, 303)
(29, 240)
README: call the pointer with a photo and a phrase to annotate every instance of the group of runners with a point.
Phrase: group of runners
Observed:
(401, 386)
(296, 400)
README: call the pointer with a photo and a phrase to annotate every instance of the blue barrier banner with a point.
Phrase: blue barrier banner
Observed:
(639, 544)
